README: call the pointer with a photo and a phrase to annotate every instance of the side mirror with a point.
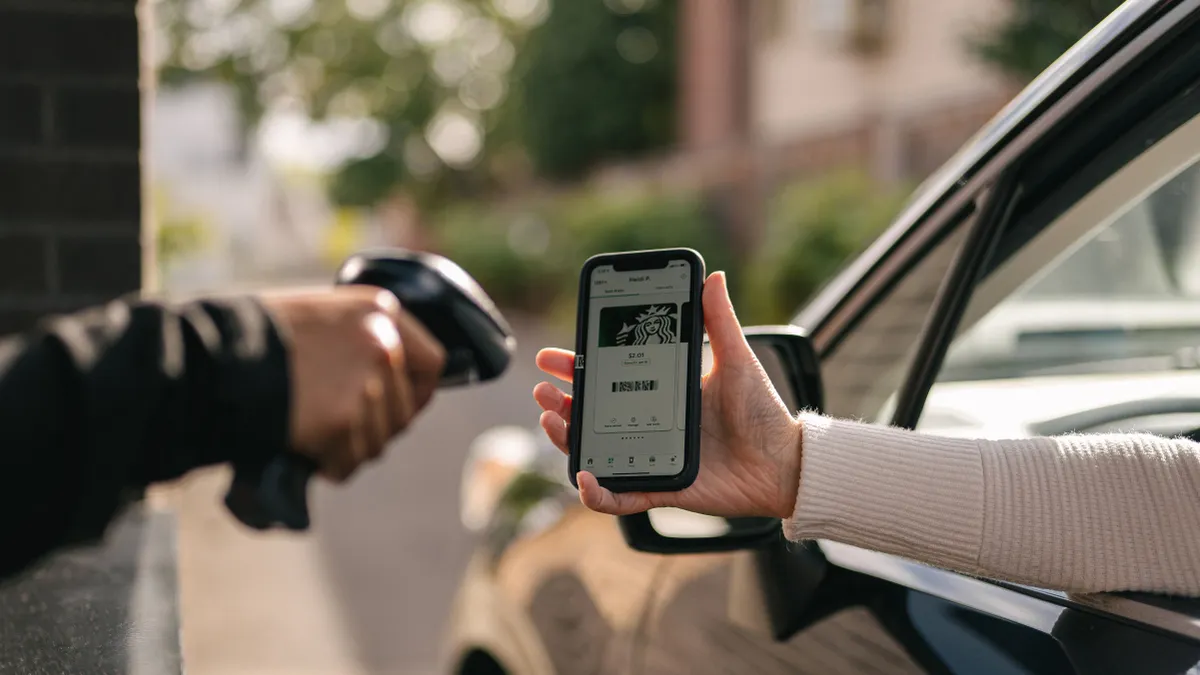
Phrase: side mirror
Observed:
(791, 362)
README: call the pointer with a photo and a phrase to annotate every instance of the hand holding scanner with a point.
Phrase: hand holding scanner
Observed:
(479, 345)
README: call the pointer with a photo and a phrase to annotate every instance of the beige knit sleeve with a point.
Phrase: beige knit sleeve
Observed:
(1077, 513)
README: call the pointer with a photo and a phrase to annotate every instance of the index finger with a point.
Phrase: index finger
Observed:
(557, 362)
(424, 356)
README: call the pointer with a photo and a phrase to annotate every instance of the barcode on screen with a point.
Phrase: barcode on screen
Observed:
(635, 385)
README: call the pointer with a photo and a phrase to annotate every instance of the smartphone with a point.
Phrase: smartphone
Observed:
(635, 420)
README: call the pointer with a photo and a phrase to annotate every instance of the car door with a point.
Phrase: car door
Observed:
(704, 619)
(1054, 291)
(1082, 316)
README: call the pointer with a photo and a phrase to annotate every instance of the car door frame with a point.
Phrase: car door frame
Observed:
(1119, 42)
(988, 175)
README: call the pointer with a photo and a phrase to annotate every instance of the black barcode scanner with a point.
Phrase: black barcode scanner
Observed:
(452, 306)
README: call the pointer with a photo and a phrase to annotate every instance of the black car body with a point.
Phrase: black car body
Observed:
(1045, 280)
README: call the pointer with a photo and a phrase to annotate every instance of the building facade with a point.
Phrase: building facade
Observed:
(780, 73)
(774, 90)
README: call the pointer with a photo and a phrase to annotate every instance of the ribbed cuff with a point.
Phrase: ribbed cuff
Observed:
(890, 490)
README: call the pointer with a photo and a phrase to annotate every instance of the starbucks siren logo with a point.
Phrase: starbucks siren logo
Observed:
(655, 326)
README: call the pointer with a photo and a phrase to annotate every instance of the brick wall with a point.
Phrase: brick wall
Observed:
(70, 182)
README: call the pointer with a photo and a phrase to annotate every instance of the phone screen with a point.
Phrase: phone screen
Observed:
(635, 381)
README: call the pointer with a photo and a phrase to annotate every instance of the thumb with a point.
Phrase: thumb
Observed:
(724, 330)
(603, 500)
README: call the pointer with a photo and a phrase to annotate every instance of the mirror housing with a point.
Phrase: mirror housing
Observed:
(791, 362)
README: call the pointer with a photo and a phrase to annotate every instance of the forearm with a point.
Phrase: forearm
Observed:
(108, 400)
(1077, 513)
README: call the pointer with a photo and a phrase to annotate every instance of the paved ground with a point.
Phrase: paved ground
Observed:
(368, 591)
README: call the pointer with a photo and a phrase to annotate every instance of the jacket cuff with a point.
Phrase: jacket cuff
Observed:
(251, 391)
(889, 490)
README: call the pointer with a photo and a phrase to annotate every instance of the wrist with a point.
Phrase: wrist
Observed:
(792, 451)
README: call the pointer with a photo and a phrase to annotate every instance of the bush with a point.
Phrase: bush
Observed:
(815, 227)
(602, 223)
(512, 253)
(180, 232)
(529, 258)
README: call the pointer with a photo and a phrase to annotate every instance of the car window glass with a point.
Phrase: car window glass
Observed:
(868, 365)
(672, 522)
(776, 371)
(1094, 324)
(771, 362)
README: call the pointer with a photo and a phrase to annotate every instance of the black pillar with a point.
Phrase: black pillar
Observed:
(70, 181)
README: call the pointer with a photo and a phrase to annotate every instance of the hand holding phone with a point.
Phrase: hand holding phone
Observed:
(635, 424)
(751, 440)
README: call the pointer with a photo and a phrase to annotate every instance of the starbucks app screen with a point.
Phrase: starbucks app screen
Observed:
(636, 374)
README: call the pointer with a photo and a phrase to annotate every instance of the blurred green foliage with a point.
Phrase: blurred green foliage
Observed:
(179, 233)
(1036, 32)
(512, 252)
(422, 81)
(462, 101)
(602, 223)
(529, 257)
(815, 227)
(429, 85)
(597, 81)
(179, 238)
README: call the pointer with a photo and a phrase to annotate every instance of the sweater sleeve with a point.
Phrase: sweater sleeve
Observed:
(1084, 514)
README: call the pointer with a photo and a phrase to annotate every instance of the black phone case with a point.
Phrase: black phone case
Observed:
(691, 447)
